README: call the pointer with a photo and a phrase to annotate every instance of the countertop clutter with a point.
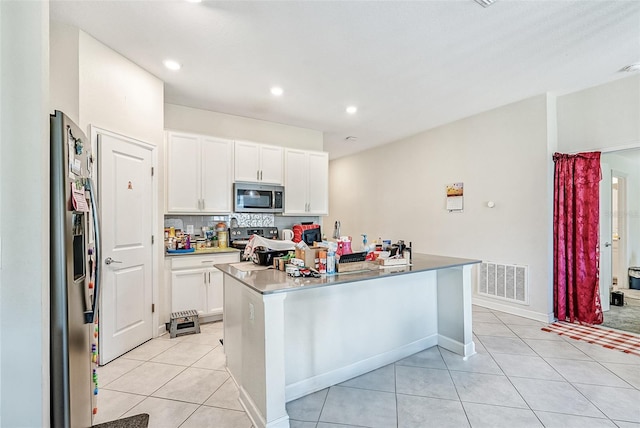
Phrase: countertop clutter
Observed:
(274, 281)
(213, 240)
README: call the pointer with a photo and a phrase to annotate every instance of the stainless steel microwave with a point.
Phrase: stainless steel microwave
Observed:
(257, 198)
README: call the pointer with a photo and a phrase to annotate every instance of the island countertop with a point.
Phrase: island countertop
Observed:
(268, 281)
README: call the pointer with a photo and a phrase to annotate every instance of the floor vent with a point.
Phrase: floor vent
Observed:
(503, 281)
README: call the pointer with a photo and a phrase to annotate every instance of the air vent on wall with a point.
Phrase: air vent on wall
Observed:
(504, 281)
(485, 3)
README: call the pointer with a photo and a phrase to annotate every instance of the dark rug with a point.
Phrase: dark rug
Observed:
(137, 421)
(626, 318)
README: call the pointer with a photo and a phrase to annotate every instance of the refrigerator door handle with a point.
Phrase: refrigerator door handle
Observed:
(90, 316)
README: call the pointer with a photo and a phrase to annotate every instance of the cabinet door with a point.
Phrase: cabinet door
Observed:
(271, 164)
(215, 298)
(217, 175)
(318, 191)
(295, 200)
(183, 173)
(189, 290)
(247, 165)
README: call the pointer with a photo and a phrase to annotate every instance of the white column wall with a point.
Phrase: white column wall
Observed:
(24, 214)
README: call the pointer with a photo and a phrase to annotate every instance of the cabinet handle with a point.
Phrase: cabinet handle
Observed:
(204, 277)
(209, 278)
(203, 205)
(258, 175)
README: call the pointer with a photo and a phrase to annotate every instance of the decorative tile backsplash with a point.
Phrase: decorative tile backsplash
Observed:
(199, 221)
(254, 220)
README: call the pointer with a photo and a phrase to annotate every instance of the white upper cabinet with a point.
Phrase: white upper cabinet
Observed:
(183, 173)
(217, 175)
(306, 182)
(199, 174)
(258, 163)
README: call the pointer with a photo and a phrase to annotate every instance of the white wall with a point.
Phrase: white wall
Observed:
(599, 118)
(64, 70)
(117, 95)
(24, 214)
(397, 191)
(206, 122)
(607, 118)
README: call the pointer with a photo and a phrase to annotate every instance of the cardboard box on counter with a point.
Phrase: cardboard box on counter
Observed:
(310, 256)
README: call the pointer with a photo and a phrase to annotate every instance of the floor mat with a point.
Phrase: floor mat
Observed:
(137, 421)
(612, 339)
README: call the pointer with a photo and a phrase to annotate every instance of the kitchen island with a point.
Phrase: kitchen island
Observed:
(286, 337)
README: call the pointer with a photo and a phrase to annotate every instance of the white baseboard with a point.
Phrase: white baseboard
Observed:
(162, 329)
(324, 380)
(250, 408)
(457, 347)
(513, 310)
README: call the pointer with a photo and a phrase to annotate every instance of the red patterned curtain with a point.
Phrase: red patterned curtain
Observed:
(576, 227)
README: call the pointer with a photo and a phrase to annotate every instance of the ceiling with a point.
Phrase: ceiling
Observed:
(407, 65)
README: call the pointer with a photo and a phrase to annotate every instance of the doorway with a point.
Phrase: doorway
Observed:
(623, 168)
(125, 189)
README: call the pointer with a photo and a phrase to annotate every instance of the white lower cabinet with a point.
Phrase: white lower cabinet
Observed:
(196, 284)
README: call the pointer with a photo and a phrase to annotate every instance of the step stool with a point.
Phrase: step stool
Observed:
(184, 322)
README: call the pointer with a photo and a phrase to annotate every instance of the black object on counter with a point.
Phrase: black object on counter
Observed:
(353, 257)
(265, 257)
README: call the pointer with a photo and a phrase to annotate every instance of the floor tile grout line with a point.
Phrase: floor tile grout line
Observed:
(511, 382)
(395, 394)
(566, 381)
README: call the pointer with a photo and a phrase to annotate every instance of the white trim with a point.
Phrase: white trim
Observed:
(631, 145)
(324, 380)
(520, 312)
(457, 347)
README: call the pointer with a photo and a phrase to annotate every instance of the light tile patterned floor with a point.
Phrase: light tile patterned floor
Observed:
(520, 377)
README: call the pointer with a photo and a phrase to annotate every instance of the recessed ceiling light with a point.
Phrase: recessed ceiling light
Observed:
(352, 109)
(631, 67)
(172, 65)
(277, 91)
(193, 1)
(351, 138)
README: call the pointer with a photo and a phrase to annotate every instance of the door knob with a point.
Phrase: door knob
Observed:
(607, 244)
(109, 260)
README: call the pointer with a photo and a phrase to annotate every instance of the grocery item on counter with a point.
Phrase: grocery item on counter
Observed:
(331, 263)
(222, 238)
(322, 261)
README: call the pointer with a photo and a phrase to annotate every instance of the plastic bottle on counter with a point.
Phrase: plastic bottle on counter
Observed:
(331, 263)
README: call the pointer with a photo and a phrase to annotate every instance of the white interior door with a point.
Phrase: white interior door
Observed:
(605, 275)
(126, 205)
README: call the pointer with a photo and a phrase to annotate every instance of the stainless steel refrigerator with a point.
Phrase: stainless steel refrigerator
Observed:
(75, 276)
